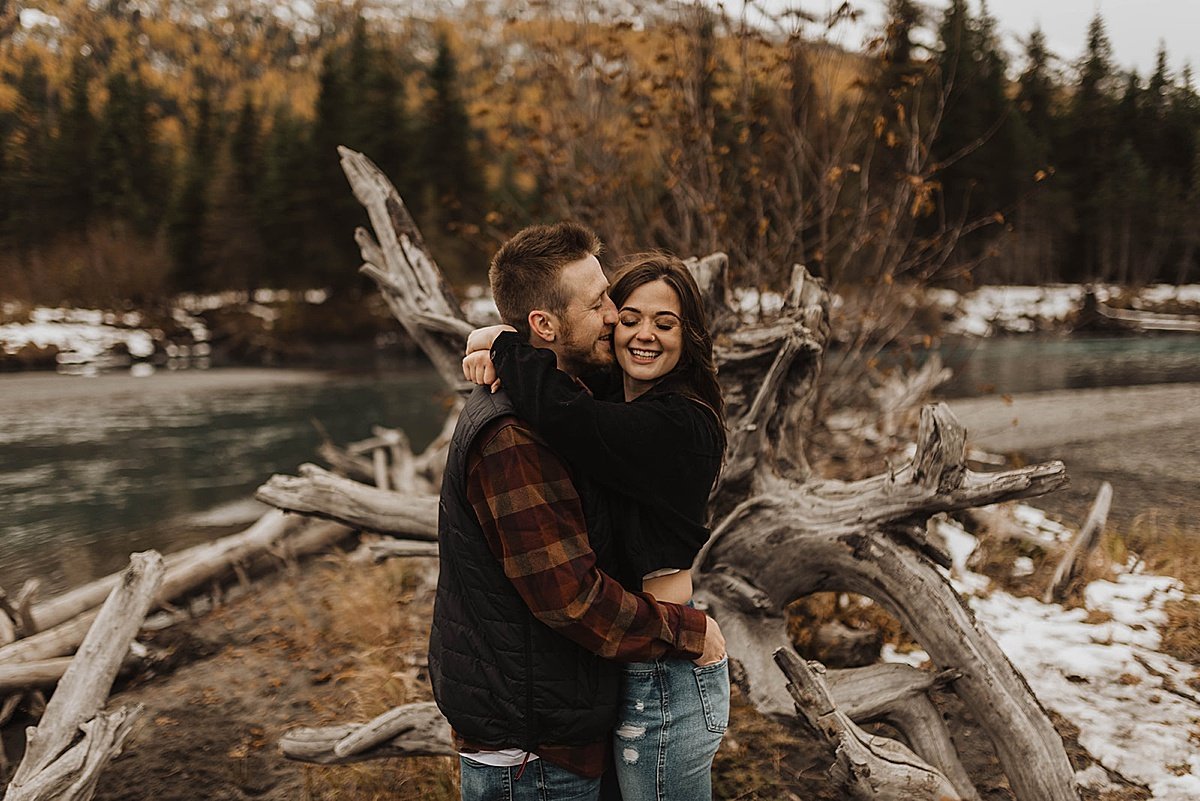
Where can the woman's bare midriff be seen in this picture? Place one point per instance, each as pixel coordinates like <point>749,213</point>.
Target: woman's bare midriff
<point>675,588</point>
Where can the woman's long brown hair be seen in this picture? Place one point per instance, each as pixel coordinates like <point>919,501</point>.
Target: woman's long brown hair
<point>696,373</point>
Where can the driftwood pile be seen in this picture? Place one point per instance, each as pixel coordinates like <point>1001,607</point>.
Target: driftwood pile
<point>780,532</point>
<point>80,640</point>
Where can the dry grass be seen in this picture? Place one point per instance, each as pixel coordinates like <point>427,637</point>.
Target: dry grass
<point>382,618</point>
<point>805,615</point>
<point>106,265</point>
<point>760,760</point>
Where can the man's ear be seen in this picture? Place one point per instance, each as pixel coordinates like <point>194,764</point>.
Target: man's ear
<point>543,325</point>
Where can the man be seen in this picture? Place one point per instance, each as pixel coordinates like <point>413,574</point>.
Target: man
<point>526,613</point>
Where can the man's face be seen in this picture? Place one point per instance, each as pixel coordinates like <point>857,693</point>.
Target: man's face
<point>585,328</point>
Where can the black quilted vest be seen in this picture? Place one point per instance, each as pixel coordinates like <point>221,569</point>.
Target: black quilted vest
<point>501,677</point>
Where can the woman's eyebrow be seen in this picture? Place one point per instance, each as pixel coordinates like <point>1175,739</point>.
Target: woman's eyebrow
<point>662,313</point>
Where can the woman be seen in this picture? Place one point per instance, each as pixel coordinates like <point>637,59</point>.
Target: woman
<point>658,444</point>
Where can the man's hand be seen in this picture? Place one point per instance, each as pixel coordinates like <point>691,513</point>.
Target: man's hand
<point>478,369</point>
<point>482,338</point>
<point>714,644</point>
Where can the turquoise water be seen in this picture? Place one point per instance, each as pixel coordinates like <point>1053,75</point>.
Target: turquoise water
<point>1020,364</point>
<point>92,469</point>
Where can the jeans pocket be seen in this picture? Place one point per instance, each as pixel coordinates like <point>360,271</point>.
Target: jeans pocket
<point>713,683</point>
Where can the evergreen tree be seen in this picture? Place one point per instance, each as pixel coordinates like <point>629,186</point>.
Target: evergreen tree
<point>981,139</point>
<point>232,235</point>
<point>339,99</point>
<point>74,154</point>
<point>1088,157</point>
<point>245,147</point>
<point>186,217</point>
<point>899,73</point>
<point>386,129</point>
<point>1043,216</point>
<point>286,204</point>
<point>1037,91</point>
<point>452,176</point>
<point>28,165</point>
<point>128,180</point>
<point>454,198</point>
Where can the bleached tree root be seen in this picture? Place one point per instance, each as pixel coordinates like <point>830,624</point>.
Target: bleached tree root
<point>898,695</point>
<point>43,674</point>
<point>867,768</point>
<point>402,267</point>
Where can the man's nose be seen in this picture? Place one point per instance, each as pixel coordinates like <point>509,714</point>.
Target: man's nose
<point>610,311</point>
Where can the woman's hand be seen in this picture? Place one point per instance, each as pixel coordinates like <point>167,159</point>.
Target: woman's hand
<point>482,339</point>
<point>714,644</point>
<point>478,369</point>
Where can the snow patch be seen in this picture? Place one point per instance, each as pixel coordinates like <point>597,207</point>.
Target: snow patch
<point>1099,667</point>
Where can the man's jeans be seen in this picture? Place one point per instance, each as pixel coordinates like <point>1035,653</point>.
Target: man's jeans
<point>673,715</point>
<point>541,781</point>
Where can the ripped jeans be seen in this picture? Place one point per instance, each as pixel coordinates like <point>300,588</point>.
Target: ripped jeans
<point>673,715</point>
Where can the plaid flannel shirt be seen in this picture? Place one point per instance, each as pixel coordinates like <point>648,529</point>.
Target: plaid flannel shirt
<point>533,519</point>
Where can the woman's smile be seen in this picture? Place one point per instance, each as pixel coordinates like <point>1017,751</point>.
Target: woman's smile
<point>648,338</point>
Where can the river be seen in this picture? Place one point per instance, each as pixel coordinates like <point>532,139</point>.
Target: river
<point>94,468</point>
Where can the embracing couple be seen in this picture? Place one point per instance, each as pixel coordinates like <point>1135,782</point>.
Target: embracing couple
<point>564,645</point>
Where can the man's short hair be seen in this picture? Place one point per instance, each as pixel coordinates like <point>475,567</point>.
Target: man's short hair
<point>525,272</point>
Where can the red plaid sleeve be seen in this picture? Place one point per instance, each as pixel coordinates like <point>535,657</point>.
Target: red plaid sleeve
<point>533,519</point>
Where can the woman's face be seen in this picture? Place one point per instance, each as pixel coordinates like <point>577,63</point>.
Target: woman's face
<point>648,339</point>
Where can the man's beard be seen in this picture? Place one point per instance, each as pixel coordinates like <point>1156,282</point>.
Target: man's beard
<point>576,358</point>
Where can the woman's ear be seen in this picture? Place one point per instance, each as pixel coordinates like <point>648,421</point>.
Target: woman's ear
<point>543,325</point>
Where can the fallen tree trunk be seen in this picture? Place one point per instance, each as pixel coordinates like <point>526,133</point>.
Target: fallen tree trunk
<point>32,675</point>
<point>322,494</point>
<point>54,766</point>
<point>781,532</point>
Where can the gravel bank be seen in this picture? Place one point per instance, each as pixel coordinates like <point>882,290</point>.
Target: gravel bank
<point>1145,440</point>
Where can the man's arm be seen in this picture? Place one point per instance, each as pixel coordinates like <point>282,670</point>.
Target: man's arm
<point>533,519</point>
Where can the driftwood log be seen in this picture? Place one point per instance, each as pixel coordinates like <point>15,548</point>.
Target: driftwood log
<point>1075,559</point>
<point>64,621</point>
<point>35,654</point>
<point>1095,314</point>
<point>779,530</point>
<point>58,764</point>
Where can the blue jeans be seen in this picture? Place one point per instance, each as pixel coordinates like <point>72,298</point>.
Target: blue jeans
<point>541,781</point>
<point>673,715</point>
